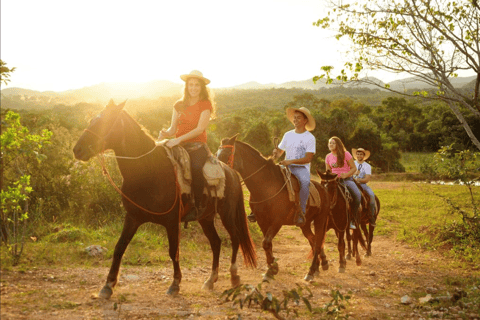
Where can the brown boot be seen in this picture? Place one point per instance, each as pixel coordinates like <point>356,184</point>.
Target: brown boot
<point>252,217</point>
<point>300,218</point>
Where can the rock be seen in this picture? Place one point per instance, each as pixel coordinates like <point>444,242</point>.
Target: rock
<point>431,290</point>
<point>426,299</point>
<point>95,250</point>
<point>406,300</point>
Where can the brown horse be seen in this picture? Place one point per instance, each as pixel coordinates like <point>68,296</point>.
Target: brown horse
<point>340,220</point>
<point>270,202</point>
<point>364,221</point>
<point>150,193</point>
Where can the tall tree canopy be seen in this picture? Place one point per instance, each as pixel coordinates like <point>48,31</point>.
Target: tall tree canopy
<point>431,40</point>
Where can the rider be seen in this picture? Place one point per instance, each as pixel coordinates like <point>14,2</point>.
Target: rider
<point>340,161</point>
<point>299,145</point>
<point>362,176</point>
<point>190,119</point>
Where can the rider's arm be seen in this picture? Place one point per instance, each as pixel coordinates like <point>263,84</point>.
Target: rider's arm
<point>350,173</point>
<point>365,179</point>
<point>170,132</point>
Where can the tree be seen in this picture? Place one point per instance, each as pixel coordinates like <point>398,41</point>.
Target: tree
<point>431,40</point>
<point>5,72</point>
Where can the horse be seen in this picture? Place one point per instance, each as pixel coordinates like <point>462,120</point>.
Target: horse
<point>364,221</point>
<point>339,221</point>
<point>150,193</point>
<point>269,200</point>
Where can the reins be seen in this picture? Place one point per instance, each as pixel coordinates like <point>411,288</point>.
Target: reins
<point>101,159</point>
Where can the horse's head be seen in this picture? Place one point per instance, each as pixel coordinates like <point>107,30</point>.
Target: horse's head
<point>226,153</point>
<point>329,179</point>
<point>97,137</point>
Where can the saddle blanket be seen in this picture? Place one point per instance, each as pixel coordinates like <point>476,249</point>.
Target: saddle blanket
<point>293,187</point>
<point>213,172</point>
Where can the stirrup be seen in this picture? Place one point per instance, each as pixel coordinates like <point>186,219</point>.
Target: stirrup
<point>352,226</point>
<point>300,220</point>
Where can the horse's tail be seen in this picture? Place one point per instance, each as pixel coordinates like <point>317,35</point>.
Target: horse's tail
<point>243,234</point>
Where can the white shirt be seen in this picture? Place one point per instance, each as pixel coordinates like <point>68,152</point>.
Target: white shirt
<point>296,145</point>
<point>364,169</point>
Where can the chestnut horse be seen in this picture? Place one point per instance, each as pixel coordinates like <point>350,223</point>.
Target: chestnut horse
<point>340,218</point>
<point>270,202</point>
<point>364,221</point>
<point>150,193</point>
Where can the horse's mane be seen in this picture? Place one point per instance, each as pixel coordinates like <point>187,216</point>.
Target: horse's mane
<point>255,152</point>
<point>137,126</point>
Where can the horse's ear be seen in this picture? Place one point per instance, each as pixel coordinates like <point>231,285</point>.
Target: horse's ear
<point>111,103</point>
<point>121,105</point>
<point>233,139</point>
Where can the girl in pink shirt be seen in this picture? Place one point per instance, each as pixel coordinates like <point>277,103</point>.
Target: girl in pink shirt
<point>340,161</point>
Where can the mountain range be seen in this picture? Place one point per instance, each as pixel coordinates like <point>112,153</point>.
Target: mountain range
<point>158,88</point>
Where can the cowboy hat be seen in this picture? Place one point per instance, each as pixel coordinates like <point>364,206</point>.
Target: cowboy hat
<point>365,152</point>
<point>194,74</point>
<point>311,120</point>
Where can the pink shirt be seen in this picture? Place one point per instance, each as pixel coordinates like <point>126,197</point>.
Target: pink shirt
<point>331,160</point>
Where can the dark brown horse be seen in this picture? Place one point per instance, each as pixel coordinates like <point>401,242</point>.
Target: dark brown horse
<point>150,194</point>
<point>364,221</point>
<point>340,217</point>
<point>270,202</point>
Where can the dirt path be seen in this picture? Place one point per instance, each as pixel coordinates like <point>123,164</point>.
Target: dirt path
<point>377,287</point>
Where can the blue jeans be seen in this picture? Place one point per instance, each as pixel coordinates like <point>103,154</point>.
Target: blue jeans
<point>303,176</point>
<point>372,198</point>
<point>356,195</point>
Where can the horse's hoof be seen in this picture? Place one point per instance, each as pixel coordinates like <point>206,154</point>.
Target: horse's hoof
<point>325,267</point>
<point>106,292</point>
<point>207,285</point>
<point>173,290</point>
<point>235,280</point>
<point>348,257</point>
<point>267,277</point>
<point>341,270</point>
<point>359,263</point>
<point>368,254</point>
<point>308,278</point>
<point>316,274</point>
<point>273,269</point>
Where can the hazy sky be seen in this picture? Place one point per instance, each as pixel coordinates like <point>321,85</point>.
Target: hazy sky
<point>69,44</point>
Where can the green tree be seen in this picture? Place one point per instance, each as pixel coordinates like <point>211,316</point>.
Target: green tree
<point>430,40</point>
<point>5,72</point>
<point>18,149</point>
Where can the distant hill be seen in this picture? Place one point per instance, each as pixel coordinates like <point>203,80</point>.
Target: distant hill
<point>102,92</point>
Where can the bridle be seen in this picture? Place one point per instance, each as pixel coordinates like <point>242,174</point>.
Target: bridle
<point>231,160</point>
<point>101,159</point>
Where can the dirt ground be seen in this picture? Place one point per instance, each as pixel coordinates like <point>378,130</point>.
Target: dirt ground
<point>376,287</point>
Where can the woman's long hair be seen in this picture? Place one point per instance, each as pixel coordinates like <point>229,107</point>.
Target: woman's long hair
<point>205,94</point>
<point>340,149</point>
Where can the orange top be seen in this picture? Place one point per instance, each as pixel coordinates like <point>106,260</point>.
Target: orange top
<point>189,120</point>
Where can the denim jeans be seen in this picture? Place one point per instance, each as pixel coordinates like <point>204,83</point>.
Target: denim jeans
<point>372,198</point>
<point>356,195</point>
<point>303,176</point>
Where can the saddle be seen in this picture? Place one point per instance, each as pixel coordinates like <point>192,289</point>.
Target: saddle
<point>213,172</point>
<point>293,187</point>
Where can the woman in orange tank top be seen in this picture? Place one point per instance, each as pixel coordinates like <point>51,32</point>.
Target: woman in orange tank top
<point>190,119</point>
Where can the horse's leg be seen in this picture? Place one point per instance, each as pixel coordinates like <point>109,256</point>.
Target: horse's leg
<point>210,232</point>
<point>173,234</point>
<point>349,245</point>
<point>367,236</point>
<point>356,234</point>
<point>370,240</point>
<point>267,246</point>
<point>341,251</point>
<point>130,227</point>
<point>320,224</point>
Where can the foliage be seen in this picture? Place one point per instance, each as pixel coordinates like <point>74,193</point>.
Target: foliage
<point>430,40</point>
<point>5,72</point>
<point>19,149</point>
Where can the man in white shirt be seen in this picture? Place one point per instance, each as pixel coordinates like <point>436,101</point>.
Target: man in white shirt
<point>362,176</point>
<point>299,145</point>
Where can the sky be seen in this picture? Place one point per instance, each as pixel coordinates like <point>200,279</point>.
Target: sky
<point>62,45</point>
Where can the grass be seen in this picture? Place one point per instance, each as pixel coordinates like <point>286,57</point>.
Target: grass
<point>412,161</point>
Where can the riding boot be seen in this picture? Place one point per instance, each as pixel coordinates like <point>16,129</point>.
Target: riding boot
<point>300,221</point>
<point>192,213</point>
<point>252,217</point>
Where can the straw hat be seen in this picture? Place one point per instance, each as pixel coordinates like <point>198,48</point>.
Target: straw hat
<point>365,152</point>
<point>311,121</point>
<point>194,74</point>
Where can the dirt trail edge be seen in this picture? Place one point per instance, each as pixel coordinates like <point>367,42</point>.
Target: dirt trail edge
<point>377,287</point>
